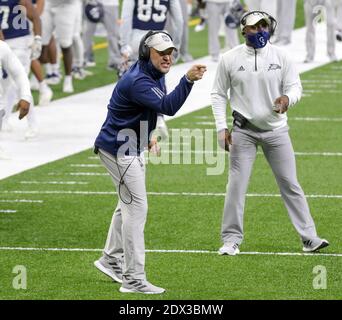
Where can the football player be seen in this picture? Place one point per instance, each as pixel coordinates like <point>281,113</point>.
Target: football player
<point>14,16</point>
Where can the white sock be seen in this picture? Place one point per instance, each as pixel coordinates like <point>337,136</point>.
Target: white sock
<point>48,68</point>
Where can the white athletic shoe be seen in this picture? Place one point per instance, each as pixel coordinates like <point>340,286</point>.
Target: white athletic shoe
<point>53,79</point>
<point>45,96</point>
<point>200,27</point>
<point>67,85</point>
<point>229,248</point>
<point>314,245</point>
<point>90,64</point>
<point>112,269</point>
<point>140,286</point>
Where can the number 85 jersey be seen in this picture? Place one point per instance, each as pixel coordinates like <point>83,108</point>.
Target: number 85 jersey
<point>150,14</point>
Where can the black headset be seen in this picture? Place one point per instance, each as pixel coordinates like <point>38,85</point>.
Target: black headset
<point>268,16</point>
<point>144,50</point>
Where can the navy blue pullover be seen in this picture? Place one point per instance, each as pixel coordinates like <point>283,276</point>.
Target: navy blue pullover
<point>132,111</point>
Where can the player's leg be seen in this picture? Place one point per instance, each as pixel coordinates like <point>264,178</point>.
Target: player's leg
<point>279,153</point>
<point>241,158</point>
<point>110,21</point>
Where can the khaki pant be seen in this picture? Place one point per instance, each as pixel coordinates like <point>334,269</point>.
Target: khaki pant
<point>277,148</point>
<point>126,231</point>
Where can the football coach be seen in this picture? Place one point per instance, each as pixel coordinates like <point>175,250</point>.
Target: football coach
<point>132,114</point>
<point>263,84</point>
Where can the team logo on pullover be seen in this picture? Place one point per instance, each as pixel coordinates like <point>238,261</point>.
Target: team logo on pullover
<point>274,66</point>
<point>241,69</point>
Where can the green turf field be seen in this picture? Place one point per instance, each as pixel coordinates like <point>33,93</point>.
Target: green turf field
<point>77,216</point>
<point>60,205</point>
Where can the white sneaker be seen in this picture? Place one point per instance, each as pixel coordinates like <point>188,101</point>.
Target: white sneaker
<point>90,64</point>
<point>140,286</point>
<point>200,27</point>
<point>45,96</point>
<point>67,85</point>
<point>314,245</point>
<point>53,79</point>
<point>31,133</point>
<point>229,248</point>
<point>112,269</point>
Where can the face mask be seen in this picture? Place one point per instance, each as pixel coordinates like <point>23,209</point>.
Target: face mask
<point>258,40</point>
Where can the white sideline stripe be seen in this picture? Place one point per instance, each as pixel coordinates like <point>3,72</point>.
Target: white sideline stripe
<point>191,194</point>
<point>21,201</point>
<point>85,165</point>
<point>78,174</point>
<point>8,211</point>
<point>316,119</point>
<point>54,182</point>
<point>176,251</point>
<point>88,174</point>
<point>289,118</point>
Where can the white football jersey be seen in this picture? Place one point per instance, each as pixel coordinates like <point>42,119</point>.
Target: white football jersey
<point>12,66</point>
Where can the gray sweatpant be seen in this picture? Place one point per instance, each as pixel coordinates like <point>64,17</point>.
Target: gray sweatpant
<point>286,14</point>
<point>126,232</point>
<point>111,15</point>
<point>215,13</point>
<point>277,148</point>
<point>310,7</point>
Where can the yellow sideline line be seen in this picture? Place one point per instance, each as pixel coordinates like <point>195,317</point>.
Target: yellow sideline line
<point>103,45</point>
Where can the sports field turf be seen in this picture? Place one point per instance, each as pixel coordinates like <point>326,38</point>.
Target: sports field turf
<point>68,204</point>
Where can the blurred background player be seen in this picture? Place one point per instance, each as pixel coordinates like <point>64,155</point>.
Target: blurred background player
<point>216,11</point>
<point>286,15</point>
<point>184,54</point>
<point>200,9</point>
<point>60,16</point>
<point>37,81</point>
<point>78,71</point>
<point>106,12</point>
<point>14,23</point>
<point>338,19</point>
<point>269,6</point>
<point>137,18</point>
<point>314,9</point>
<point>15,70</point>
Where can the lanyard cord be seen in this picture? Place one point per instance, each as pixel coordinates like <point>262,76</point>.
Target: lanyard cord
<point>122,183</point>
